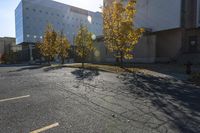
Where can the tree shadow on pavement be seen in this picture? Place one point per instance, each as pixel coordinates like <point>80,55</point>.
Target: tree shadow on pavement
<point>178,100</point>
<point>51,68</point>
<point>82,74</point>
<point>27,68</point>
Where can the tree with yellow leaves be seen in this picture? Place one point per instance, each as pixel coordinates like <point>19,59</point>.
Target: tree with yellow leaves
<point>63,47</point>
<point>47,47</point>
<point>120,34</point>
<point>83,43</point>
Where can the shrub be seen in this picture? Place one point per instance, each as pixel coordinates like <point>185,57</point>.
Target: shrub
<point>195,78</point>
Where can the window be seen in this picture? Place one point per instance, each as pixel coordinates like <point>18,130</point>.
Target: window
<point>27,17</point>
<point>47,13</point>
<point>35,36</point>
<point>40,11</point>
<point>27,8</point>
<point>58,15</point>
<point>34,10</point>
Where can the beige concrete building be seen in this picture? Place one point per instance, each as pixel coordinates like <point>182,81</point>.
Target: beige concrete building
<point>8,44</point>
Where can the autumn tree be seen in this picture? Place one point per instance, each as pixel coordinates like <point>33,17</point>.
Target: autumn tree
<point>84,43</point>
<point>47,47</point>
<point>63,47</point>
<point>120,34</point>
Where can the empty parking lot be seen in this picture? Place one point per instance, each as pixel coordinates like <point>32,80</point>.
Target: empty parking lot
<point>37,99</point>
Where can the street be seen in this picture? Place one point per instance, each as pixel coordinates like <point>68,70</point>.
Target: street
<point>69,100</point>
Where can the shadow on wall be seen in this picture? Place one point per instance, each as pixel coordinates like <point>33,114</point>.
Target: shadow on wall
<point>179,101</point>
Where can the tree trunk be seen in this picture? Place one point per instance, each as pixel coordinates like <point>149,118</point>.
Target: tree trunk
<point>63,60</point>
<point>49,62</point>
<point>82,64</point>
<point>121,59</point>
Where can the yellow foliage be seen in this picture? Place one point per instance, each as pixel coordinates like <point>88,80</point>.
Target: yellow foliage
<point>48,46</point>
<point>62,46</point>
<point>120,34</point>
<point>84,43</point>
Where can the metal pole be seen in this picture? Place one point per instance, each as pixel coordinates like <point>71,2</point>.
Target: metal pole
<point>31,52</point>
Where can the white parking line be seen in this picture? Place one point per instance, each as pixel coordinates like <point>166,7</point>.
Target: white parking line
<point>45,128</point>
<point>14,98</point>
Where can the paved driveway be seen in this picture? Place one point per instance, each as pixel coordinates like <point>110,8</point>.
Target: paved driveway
<point>64,100</point>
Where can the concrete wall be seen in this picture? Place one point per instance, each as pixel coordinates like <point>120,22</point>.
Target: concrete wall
<point>190,13</point>
<point>157,14</point>
<point>168,45</point>
<point>144,51</point>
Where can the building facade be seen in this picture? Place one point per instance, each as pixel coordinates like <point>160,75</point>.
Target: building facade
<point>174,25</point>
<point>8,46</point>
<point>33,16</point>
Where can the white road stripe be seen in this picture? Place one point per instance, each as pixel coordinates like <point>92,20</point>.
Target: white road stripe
<point>14,98</point>
<point>45,128</point>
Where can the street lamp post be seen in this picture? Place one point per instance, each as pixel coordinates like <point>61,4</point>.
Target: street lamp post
<point>30,49</point>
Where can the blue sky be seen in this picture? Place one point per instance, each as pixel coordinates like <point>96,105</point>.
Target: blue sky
<point>7,8</point>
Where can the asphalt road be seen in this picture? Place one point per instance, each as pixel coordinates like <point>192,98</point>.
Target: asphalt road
<point>66,100</point>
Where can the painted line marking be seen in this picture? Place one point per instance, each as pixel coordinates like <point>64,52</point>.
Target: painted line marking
<point>14,98</point>
<point>45,128</point>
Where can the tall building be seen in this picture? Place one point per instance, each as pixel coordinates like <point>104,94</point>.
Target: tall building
<point>175,25</point>
<point>33,16</point>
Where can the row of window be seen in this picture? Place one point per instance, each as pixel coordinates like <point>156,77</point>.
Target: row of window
<point>63,16</point>
<point>46,12</point>
<point>34,36</point>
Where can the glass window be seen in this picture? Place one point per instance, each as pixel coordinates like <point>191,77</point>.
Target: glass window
<point>34,10</point>
<point>27,8</point>
<point>19,24</point>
